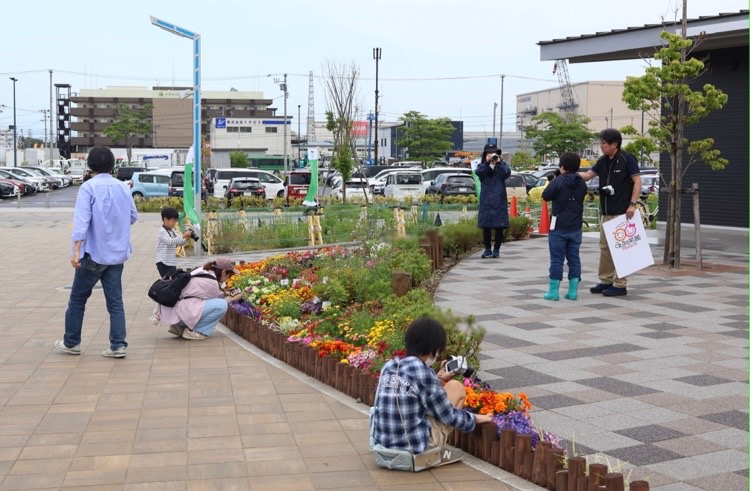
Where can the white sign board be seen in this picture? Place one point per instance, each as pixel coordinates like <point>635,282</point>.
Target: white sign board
<point>312,153</point>
<point>628,244</point>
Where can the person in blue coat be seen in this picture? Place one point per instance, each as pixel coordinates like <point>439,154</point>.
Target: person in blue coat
<point>492,172</point>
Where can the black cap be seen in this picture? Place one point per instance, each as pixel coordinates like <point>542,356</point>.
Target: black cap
<point>490,147</point>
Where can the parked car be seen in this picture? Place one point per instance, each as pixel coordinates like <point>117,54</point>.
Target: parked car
<point>405,183</point>
<point>52,182</point>
<point>24,187</point>
<point>452,185</point>
<point>649,184</point>
<point>42,184</point>
<point>63,180</point>
<point>245,186</point>
<point>149,185</point>
<point>76,174</point>
<point>429,175</point>
<point>356,188</point>
<point>125,172</point>
<point>515,186</point>
<point>274,186</point>
<point>296,185</point>
<point>8,190</point>
<point>531,180</point>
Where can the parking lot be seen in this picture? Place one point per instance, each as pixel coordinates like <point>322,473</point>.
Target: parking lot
<point>58,198</point>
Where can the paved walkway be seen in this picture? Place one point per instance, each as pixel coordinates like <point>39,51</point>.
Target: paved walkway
<point>174,414</point>
<point>657,379</point>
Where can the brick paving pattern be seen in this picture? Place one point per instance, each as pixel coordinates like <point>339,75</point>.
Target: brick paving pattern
<point>174,414</point>
<point>657,379</point>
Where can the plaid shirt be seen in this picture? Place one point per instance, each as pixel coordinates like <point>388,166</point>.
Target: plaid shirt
<point>415,389</point>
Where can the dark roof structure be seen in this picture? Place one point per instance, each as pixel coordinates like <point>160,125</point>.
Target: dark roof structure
<point>722,30</point>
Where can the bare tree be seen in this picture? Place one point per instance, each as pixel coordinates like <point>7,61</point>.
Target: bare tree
<point>342,105</point>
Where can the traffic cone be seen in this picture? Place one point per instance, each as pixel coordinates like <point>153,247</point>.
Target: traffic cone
<point>513,207</point>
<point>527,211</point>
<point>544,219</point>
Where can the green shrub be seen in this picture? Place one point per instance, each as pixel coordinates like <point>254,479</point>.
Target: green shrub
<point>412,260</point>
<point>460,238</point>
<point>519,228</point>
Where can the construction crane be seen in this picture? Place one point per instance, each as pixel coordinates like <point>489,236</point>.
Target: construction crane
<point>567,103</point>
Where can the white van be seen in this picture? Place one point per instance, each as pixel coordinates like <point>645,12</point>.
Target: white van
<point>402,184</point>
<point>274,186</point>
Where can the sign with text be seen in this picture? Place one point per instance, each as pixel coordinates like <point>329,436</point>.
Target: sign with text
<point>628,244</point>
<point>359,128</point>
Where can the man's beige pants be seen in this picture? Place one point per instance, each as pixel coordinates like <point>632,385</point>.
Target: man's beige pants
<point>607,273</point>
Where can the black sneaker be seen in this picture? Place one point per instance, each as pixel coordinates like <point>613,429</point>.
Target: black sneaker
<point>599,288</point>
<point>613,291</point>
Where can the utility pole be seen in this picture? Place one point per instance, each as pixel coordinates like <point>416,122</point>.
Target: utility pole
<point>283,87</point>
<point>376,54</point>
<point>44,112</point>
<point>502,94</point>
<point>494,115</point>
<point>299,136</point>
<point>51,119</point>
<point>15,136</point>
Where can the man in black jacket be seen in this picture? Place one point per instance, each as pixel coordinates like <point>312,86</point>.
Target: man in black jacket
<point>619,190</point>
<point>566,192</point>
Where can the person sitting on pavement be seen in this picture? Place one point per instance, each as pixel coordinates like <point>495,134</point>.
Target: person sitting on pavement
<point>416,408</point>
<point>202,303</point>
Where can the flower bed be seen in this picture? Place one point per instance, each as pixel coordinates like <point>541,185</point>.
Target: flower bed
<point>332,314</point>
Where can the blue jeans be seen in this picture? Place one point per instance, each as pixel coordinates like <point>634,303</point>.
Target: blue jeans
<point>86,277</point>
<point>213,310</point>
<point>565,244</point>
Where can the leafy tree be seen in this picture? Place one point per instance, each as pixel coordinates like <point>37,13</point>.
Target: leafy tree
<point>642,146</point>
<point>129,125</point>
<point>341,159</point>
<point>554,134</point>
<point>523,160</point>
<point>664,92</point>
<point>238,159</point>
<point>426,139</point>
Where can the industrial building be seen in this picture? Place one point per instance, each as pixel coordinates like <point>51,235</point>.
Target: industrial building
<point>92,110</point>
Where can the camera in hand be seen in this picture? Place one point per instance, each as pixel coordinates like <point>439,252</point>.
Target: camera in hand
<point>458,365</point>
<point>194,235</point>
<point>607,191</point>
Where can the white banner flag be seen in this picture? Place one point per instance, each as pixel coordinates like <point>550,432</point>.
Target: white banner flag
<point>628,244</point>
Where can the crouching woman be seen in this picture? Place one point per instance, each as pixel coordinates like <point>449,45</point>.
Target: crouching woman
<point>416,408</point>
<point>202,302</point>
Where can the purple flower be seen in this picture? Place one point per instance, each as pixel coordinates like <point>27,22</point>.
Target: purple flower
<point>244,308</point>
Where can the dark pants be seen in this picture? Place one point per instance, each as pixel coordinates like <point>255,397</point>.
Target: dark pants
<point>86,277</point>
<point>488,237</point>
<point>164,269</point>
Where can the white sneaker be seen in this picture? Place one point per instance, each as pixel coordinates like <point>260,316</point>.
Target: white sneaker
<point>73,350</point>
<point>193,335</point>
<point>116,353</point>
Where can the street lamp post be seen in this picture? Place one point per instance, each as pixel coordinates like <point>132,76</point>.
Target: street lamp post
<point>376,54</point>
<point>15,136</point>
<point>494,117</point>
<point>196,38</point>
<point>370,119</point>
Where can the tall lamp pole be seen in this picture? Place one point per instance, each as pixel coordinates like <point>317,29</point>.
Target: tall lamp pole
<point>196,38</point>
<point>51,118</point>
<point>15,136</point>
<point>376,53</point>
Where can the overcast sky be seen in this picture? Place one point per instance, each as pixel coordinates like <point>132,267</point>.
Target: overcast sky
<point>95,44</point>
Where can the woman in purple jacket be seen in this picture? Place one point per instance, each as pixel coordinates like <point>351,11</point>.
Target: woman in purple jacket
<point>203,303</point>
